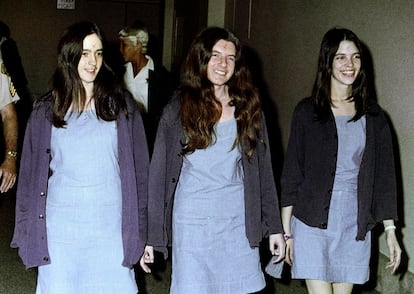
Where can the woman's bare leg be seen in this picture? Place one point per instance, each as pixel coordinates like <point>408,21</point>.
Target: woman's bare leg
<point>342,288</point>
<point>319,287</point>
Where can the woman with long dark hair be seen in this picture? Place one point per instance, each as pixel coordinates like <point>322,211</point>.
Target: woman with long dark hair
<point>338,179</point>
<point>81,212</point>
<point>211,192</point>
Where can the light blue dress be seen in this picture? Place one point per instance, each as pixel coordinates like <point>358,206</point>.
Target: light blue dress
<point>334,254</point>
<point>83,211</point>
<point>210,250</point>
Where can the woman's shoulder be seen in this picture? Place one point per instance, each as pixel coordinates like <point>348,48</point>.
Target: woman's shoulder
<point>43,103</point>
<point>129,101</point>
<point>171,112</point>
<point>373,108</point>
<point>304,106</point>
<point>376,114</point>
<point>305,103</point>
<point>42,109</point>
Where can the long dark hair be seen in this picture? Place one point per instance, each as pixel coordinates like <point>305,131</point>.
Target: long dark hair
<point>321,93</point>
<point>67,86</point>
<point>200,110</point>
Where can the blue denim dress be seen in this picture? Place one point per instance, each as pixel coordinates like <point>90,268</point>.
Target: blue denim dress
<point>334,254</point>
<point>210,250</point>
<point>83,211</point>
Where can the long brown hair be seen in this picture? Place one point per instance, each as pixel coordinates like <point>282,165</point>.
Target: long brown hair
<point>67,86</point>
<point>200,110</point>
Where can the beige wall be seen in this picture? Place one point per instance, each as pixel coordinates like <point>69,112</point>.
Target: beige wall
<point>216,10</point>
<point>287,35</point>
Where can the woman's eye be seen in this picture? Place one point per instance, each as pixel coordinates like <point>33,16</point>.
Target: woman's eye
<point>215,57</point>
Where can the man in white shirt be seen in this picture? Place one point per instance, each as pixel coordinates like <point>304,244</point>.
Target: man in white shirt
<point>150,84</point>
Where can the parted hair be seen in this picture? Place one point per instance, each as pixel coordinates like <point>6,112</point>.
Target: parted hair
<point>67,85</point>
<point>321,93</point>
<point>200,110</point>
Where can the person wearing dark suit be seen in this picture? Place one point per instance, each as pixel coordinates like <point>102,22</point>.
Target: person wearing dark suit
<point>149,82</point>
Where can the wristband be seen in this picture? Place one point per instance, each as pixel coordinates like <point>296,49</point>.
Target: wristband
<point>287,237</point>
<point>391,227</point>
<point>12,153</point>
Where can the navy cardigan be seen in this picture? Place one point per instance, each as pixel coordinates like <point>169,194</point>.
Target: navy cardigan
<point>310,164</point>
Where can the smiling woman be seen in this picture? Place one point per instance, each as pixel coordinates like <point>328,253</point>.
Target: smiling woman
<point>225,200</point>
<point>338,178</point>
<point>82,217</point>
<point>346,64</point>
<point>90,62</point>
<point>220,68</point>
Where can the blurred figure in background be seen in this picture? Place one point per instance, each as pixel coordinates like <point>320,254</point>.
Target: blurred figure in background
<point>9,122</point>
<point>150,83</point>
<point>14,66</point>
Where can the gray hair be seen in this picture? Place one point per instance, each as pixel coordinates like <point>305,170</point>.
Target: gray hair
<point>134,36</point>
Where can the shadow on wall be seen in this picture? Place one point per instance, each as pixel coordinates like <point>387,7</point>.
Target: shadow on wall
<point>270,110</point>
<point>370,71</point>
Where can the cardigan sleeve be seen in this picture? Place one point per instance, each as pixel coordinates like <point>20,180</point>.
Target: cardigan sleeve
<point>271,221</point>
<point>30,230</point>
<point>23,193</point>
<point>142,165</point>
<point>157,190</point>
<point>292,174</point>
<point>133,163</point>
<point>384,204</point>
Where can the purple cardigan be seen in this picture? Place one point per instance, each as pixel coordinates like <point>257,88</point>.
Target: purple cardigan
<point>30,227</point>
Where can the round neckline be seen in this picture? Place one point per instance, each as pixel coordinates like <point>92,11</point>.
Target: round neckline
<point>338,116</point>
<point>227,120</point>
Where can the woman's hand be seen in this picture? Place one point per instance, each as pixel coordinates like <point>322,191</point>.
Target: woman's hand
<point>289,252</point>
<point>277,246</point>
<point>286,219</point>
<point>394,250</point>
<point>147,257</point>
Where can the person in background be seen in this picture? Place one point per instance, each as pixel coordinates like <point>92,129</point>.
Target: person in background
<point>9,122</point>
<point>339,178</point>
<point>13,63</point>
<point>81,204</point>
<point>149,82</point>
<point>212,193</point>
